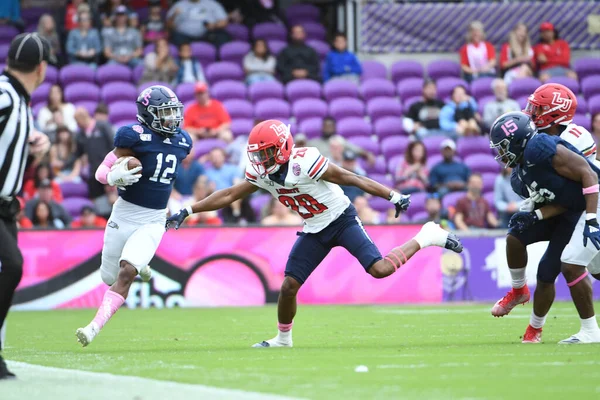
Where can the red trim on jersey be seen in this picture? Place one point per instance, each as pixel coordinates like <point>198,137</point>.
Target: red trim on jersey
<point>316,168</point>
<point>591,151</point>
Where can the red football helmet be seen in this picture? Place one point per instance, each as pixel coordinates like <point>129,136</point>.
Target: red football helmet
<point>269,145</point>
<point>551,104</point>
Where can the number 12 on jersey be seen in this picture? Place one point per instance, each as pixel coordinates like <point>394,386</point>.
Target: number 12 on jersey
<point>165,178</point>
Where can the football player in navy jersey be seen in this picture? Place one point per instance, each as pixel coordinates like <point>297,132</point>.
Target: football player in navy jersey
<point>553,167</point>
<point>137,221</point>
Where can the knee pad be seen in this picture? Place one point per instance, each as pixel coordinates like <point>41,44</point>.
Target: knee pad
<point>108,277</point>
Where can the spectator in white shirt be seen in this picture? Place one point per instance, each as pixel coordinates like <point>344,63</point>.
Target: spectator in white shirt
<point>259,63</point>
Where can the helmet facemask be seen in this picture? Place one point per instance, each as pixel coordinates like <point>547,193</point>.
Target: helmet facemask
<point>505,157</point>
<point>167,117</point>
<point>264,160</point>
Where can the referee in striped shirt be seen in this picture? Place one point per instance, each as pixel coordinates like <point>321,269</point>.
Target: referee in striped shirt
<point>28,58</point>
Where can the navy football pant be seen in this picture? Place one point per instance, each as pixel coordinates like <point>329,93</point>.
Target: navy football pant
<point>346,231</point>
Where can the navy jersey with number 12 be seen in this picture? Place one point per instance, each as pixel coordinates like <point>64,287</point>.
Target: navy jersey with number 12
<point>160,157</point>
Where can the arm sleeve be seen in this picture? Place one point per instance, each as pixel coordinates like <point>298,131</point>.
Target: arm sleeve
<point>434,178</point>
<point>464,60</point>
<point>518,186</point>
<point>219,12</point>
<point>356,67</point>
<point>326,68</point>
<point>491,50</point>
<point>314,68</point>
<point>314,164</point>
<point>284,69</point>
<point>224,115</point>
<point>565,54</point>
<point>126,138</point>
<point>540,150</point>
<point>504,54</point>
<point>71,50</point>
<point>499,200</point>
<point>461,207</point>
<point>6,103</point>
<point>447,122</point>
<point>95,38</point>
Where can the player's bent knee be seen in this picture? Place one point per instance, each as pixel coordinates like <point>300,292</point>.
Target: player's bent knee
<point>108,277</point>
<point>290,287</point>
<point>381,269</point>
<point>571,271</point>
<point>127,273</point>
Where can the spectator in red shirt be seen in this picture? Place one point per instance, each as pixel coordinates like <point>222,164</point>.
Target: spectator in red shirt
<point>473,211</point>
<point>477,56</point>
<point>43,172</point>
<point>88,219</point>
<point>552,54</point>
<point>22,221</point>
<point>71,13</point>
<point>207,118</point>
<point>516,57</point>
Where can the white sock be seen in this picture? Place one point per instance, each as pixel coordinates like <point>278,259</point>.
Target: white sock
<point>518,277</point>
<point>425,238</point>
<point>537,322</point>
<point>284,337</point>
<point>589,324</point>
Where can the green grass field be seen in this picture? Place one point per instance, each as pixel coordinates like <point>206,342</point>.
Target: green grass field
<point>452,352</point>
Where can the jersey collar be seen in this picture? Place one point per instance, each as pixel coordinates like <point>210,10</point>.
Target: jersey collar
<point>19,88</point>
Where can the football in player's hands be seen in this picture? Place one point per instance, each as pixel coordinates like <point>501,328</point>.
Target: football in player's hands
<point>132,162</point>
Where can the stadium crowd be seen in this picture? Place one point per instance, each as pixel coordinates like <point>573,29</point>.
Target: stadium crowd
<point>422,132</point>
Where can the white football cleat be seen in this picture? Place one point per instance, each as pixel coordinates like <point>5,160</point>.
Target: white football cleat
<point>146,273</point>
<point>431,234</point>
<point>275,342</point>
<point>582,338</point>
<point>87,334</point>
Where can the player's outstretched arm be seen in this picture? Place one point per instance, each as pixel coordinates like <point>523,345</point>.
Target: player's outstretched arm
<point>216,201</point>
<point>573,166</point>
<point>340,176</point>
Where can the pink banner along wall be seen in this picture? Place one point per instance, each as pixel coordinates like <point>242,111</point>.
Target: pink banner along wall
<point>219,267</point>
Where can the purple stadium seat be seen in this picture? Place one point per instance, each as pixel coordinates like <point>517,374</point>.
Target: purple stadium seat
<point>433,143</point>
<point>368,144</point>
<point>76,73</point>
<point>115,91</point>
<point>451,199</point>
<point>594,104</point>
<point>314,30</point>
<point>138,71</point>
<point>222,71</point>
<point>484,100</point>
<point>447,84</point>
<point>582,107</point>
<point>379,167</point>
<point>443,69</point>
<point>173,50</point>
<point>90,106</point>
<point>4,52</point>
<point>337,88</point>
<point>393,162</point>
<point>354,126</point>
<point>227,90</point>
<point>311,127</point>
<point>234,51</point>
<point>418,217</point>
<point>302,88</point>
<point>305,12</point>
<point>309,108</point>
<point>265,90</point>
<point>82,91</point>
<point>394,146</point>
<point>383,107</point>
<point>205,53</point>
<point>146,85</point>
<point>388,126</point>
<point>275,45</point>
<point>74,205</point>
<point>51,74</point>
<point>269,31</point>
<point>259,202</point>
<point>238,108</point>
<point>523,87</point>
<point>204,146</point>
<point>238,32</point>
<point>241,126</point>
<point>345,107</point>
<point>8,32</point>
<point>433,160</point>
<point>40,94</point>
<point>488,181</point>
<point>590,86</point>
<point>406,69</point>
<point>272,109</point>
<point>566,81</point>
<point>321,47</point>
<point>482,87</point>
<point>473,145</point>
<point>583,121</point>
<point>586,67</point>
<point>373,70</point>
<point>113,72</point>
<point>410,87</point>
<point>482,163</point>
<point>74,189</point>
<point>121,110</point>
<point>489,197</point>
<point>377,203</point>
<point>185,92</point>
<point>409,102</point>
<point>377,87</point>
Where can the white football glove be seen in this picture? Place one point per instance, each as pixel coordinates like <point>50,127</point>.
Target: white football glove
<point>536,196</point>
<point>527,206</point>
<point>120,176</point>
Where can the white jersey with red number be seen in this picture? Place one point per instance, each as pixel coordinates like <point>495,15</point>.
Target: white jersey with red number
<point>582,140</point>
<point>300,188</point>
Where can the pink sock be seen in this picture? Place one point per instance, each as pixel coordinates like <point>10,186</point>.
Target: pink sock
<point>285,327</point>
<point>110,304</point>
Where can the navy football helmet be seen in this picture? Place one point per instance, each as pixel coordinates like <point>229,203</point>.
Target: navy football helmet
<point>509,136</point>
<point>160,109</point>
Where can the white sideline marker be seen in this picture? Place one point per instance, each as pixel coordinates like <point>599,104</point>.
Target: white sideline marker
<point>36,382</point>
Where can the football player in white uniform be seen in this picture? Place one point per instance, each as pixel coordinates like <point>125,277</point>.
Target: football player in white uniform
<point>305,181</point>
<point>552,107</point>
